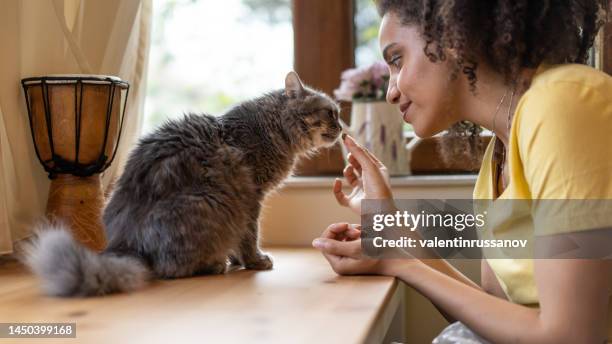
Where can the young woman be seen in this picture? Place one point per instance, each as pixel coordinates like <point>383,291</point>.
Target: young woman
<point>514,67</point>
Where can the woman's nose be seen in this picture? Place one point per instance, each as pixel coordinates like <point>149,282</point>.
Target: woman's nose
<point>393,94</point>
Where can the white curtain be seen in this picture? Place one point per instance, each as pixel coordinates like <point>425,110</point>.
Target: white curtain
<point>42,37</point>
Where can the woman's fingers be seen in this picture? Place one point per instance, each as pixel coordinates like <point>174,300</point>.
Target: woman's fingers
<point>342,231</point>
<point>359,153</point>
<point>374,177</point>
<point>353,162</point>
<point>341,197</point>
<point>353,233</point>
<point>350,249</point>
<point>334,229</point>
<point>350,235</point>
<point>351,177</point>
<point>374,159</point>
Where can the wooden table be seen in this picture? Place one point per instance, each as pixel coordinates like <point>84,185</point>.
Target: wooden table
<point>301,301</point>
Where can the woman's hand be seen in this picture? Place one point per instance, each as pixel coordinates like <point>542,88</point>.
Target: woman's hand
<point>365,174</point>
<point>340,243</point>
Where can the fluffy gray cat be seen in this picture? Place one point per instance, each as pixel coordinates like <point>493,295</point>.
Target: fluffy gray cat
<point>190,196</point>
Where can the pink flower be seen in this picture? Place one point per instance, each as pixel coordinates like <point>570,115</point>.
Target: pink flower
<point>367,83</point>
<point>356,75</point>
<point>346,91</point>
<point>379,72</point>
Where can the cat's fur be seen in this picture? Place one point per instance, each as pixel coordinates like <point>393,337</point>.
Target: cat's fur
<point>190,196</point>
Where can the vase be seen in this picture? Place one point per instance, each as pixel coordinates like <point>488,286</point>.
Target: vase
<point>379,127</point>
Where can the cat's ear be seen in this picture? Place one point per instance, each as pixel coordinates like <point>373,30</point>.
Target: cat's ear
<point>293,85</point>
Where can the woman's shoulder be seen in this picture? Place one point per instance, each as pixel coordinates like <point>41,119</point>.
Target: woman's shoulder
<point>570,75</point>
<point>561,133</point>
<point>565,94</point>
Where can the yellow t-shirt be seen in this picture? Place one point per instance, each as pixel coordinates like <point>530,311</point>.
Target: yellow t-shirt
<point>560,147</point>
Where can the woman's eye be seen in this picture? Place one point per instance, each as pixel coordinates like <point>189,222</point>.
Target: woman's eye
<point>395,61</point>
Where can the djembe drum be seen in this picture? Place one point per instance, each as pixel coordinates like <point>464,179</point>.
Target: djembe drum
<point>76,124</point>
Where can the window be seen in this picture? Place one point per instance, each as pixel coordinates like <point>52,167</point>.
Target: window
<point>367,23</point>
<point>208,55</point>
<point>367,50</point>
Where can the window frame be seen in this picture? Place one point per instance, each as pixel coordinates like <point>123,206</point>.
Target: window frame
<point>318,24</point>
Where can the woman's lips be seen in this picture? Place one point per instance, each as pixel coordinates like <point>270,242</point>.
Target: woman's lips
<point>404,110</point>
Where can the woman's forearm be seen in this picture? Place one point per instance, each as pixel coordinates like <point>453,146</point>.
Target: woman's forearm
<point>496,320</point>
<point>432,259</point>
<point>446,268</point>
<point>443,266</point>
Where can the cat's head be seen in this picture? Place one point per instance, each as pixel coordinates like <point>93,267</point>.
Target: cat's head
<point>314,115</point>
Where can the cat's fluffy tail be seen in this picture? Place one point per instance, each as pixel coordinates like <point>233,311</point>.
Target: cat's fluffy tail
<point>69,269</point>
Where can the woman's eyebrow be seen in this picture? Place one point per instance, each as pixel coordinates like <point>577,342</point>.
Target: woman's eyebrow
<point>386,50</point>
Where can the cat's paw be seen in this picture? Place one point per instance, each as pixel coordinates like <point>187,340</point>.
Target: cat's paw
<point>217,268</point>
<point>233,260</point>
<point>263,262</point>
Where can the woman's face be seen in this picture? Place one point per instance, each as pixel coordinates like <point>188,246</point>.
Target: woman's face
<point>423,90</point>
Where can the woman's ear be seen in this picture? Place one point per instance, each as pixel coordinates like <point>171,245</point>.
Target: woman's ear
<point>293,85</point>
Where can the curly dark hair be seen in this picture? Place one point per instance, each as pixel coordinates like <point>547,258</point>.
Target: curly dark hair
<point>507,35</point>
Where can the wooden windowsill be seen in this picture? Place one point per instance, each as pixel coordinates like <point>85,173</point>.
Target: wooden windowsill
<point>301,300</point>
